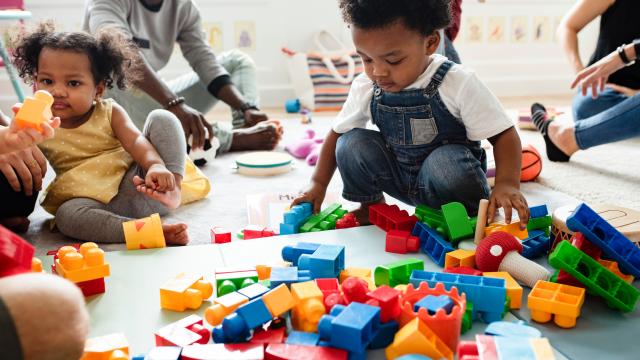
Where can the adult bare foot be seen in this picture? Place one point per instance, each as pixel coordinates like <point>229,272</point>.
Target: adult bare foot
<point>170,199</point>
<point>175,234</point>
<point>263,136</point>
<point>16,224</point>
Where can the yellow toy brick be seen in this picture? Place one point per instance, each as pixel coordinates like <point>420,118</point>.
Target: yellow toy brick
<point>309,307</point>
<point>362,273</point>
<point>613,267</point>
<point>84,265</point>
<point>279,300</point>
<point>223,306</point>
<point>108,347</point>
<point>264,272</point>
<point>185,291</point>
<point>563,301</point>
<point>513,229</point>
<point>514,290</point>
<point>35,110</point>
<point>36,265</point>
<point>145,233</point>
<point>460,257</point>
<point>416,338</point>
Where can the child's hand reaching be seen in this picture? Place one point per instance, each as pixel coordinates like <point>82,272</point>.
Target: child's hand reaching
<point>159,178</point>
<point>508,197</point>
<point>314,195</point>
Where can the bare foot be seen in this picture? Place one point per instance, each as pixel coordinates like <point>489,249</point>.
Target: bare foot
<point>175,234</point>
<point>362,213</point>
<point>263,136</point>
<point>16,224</point>
<point>170,199</point>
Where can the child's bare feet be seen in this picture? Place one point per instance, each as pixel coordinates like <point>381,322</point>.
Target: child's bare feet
<point>16,224</point>
<point>262,136</point>
<point>362,213</point>
<point>170,199</point>
<point>175,234</point>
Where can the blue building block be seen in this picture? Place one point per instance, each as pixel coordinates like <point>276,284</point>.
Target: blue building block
<point>326,262</point>
<point>536,245</point>
<point>513,329</point>
<point>615,245</point>
<point>303,338</point>
<point>295,217</point>
<point>254,313</point>
<point>488,295</point>
<point>432,243</point>
<point>434,303</point>
<point>350,327</point>
<point>287,275</point>
<point>292,253</point>
<point>254,291</point>
<point>514,348</point>
<point>384,336</point>
<point>538,211</point>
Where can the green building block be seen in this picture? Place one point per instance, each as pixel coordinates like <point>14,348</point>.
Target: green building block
<point>458,224</point>
<point>396,273</point>
<point>233,281</point>
<point>325,220</point>
<point>431,217</point>
<point>541,223</point>
<point>595,277</point>
<point>467,318</point>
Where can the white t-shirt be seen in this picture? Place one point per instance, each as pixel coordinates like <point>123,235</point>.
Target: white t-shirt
<point>464,95</point>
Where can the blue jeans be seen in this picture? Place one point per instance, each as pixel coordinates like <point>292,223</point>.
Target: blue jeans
<point>369,167</point>
<point>609,118</point>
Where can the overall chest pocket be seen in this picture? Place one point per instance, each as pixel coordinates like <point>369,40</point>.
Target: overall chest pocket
<point>410,125</point>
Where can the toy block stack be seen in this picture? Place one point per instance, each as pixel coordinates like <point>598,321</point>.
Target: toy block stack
<point>185,291</point>
<point>325,220</point>
<point>84,266</point>
<point>295,218</point>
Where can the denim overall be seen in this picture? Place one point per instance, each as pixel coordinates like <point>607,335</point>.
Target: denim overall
<point>421,155</point>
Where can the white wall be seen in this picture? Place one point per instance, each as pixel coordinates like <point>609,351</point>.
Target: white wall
<point>509,68</point>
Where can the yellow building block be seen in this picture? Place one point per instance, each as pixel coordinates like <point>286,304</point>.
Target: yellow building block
<point>145,233</point>
<point>264,272</point>
<point>513,229</point>
<point>416,338</point>
<point>108,347</point>
<point>562,301</point>
<point>362,273</point>
<point>223,306</point>
<point>84,265</point>
<point>185,291</point>
<point>309,307</point>
<point>279,300</point>
<point>514,290</point>
<point>36,265</point>
<point>613,267</point>
<point>35,110</point>
<point>460,257</point>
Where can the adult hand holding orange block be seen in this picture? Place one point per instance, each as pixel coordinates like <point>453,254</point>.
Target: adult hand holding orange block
<point>33,123</point>
<point>35,111</point>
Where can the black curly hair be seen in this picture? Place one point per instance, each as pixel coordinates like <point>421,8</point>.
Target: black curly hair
<point>423,16</point>
<point>114,58</point>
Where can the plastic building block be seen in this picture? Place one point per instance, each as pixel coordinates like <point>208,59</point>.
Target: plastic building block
<point>292,253</point>
<point>581,243</point>
<point>513,229</point>
<point>613,267</point>
<point>536,245</point>
<point>464,270</point>
<point>615,245</point>
<point>514,290</point>
<point>294,218</point>
<point>396,273</point>
<point>499,347</point>
<point>187,331</point>
<point>347,221</point>
<point>248,351</point>
<point>279,300</point>
<point>253,291</point>
<point>256,232</point>
<point>325,220</point>
<point>220,235</point>
<point>431,217</point>
<point>84,264</point>
<point>384,335</point>
<point>327,261</point>
<point>401,242</point>
<point>35,110</point>
<point>229,280</point>
<point>487,294</point>
<point>185,291</point>
<point>350,327</point>
<point>390,217</point>
<point>563,301</point>
<point>388,300</point>
<point>288,275</point>
<point>269,336</point>
<point>467,318</point>
<point>264,272</point>
<point>512,329</point>
<point>223,306</point>
<point>254,313</point>
<point>538,211</point>
<point>92,287</point>
<point>309,306</point>
<point>541,223</point>
<point>458,224</point>
<point>432,243</point>
<point>460,257</point>
<point>355,289</point>
<point>434,303</point>
<point>362,273</point>
<point>303,338</point>
<point>292,352</point>
<point>36,265</point>
<point>164,353</point>
<point>600,281</point>
<point>16,254</point>
<point>237,326</point>
<point>416,338</point>
<point>145,233</point>
<point>328,286</point>
<point>105,347</point>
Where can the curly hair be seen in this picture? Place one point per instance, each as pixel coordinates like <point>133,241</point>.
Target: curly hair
<point>423,16</point>
<point>114,58</point>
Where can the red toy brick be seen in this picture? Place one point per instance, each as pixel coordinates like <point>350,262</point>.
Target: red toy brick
<point>388,300</point>
<point>390,217</point>
<point>290,351</point>
<point>401,242</point>
<point>347,221</point>
<point>467,350</point>
<point>256,232</point>
<point>333,299</point>
<point>244,351</point>
<point>464,270</point>
<point>328,286</point>
<point>220,235</point>
<point>15,253</point>
<point>92,287</point>
<point>270,336</point>
<point>187,331</point>
<point>355,290</point>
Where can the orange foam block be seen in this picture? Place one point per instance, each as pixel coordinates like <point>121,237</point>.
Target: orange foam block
<point>145,233</point>
<point>279,300</point>
<point>84,264</point>
<point>184,291</point>
<point>417,338</point>
<point>513,229</point>
<point>562,301</point>
<point>514,290</point>
<point>460,257</point>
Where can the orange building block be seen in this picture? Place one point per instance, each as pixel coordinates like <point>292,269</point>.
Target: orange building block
<point>185,291</point>
<point>279,300</point>
<point>84,264</point>
<point>108,347</point>
<point>514,290</point>
<point>417,338</point>
<point>513,229</point>
<point>362,273</point>
<point>223,306</point>
<point>35,110</point>
<point>563,301</point>
<point>36,265</point>
<point>613,267</point>
<point>309,306</point>
<point>145,233</point>
<point>264,272</point>
<point>460,257</point>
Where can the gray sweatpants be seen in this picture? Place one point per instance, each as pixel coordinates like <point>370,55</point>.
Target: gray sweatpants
<point>91,220</point>
<point>240,67</point>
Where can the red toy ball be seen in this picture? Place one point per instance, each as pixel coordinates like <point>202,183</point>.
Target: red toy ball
<point>531,163</point>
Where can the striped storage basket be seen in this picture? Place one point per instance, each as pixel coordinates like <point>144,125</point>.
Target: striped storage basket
<point>331,78</point>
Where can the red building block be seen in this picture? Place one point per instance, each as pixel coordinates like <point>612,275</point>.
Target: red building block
<point>256,232</point>
<point>401,242</point>
<point>220,235</point>
<point>92,287</point>
<point>347,221</point>
<point>290,351</point>
<point>390,217</point>
<point>583,244</point>
<point>464,270</point>
<point>328,286</point>
<point>15,253</point>
<point>467,350</point>
<point>187,331</point>
<point>355,290</point>
<point>388,300</point>
<point>333,299</point>
<point>270,336</point>
<point>245,351</point>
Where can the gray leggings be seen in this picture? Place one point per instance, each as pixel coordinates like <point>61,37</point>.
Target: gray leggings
<point>91,220</point>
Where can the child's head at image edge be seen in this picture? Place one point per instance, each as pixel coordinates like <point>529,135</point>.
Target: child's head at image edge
<point>75,67</point>
<point>395,38</point>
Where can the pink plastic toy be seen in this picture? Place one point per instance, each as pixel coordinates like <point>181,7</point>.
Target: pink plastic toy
<point>308,147</point>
